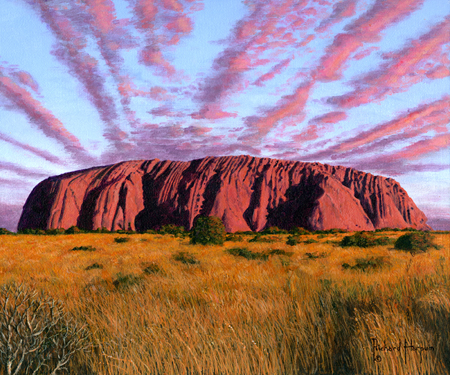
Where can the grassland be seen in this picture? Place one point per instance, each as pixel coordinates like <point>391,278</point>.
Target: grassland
<point>155,304</point>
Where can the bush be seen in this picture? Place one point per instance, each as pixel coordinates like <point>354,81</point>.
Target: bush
<point>299,231</point>
<point>310,241</point>
<point>248,254</point>
<point>315,255</point>
<point>121,239</point>
<point>208,230</point>
<point>367,264</point>
<point>84,248</point>
<point>94,266</point>
<point>152,268</point>
<point>123,282</point>
<point>185,258</point>
<point>172,229</point>
<point>55,231</point>
<point>234,237</point>
<point>273,230</point>
<point>5,231</point>
<point>292,241</point>
<point>265,239</point>
<point>37,335</point>
<point>364,239</point>
<point>415,242</point>
<point>73,230</point>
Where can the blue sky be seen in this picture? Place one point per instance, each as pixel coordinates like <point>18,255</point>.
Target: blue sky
<point>358,83</point>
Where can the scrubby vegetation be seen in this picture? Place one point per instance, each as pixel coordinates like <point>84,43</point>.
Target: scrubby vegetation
<point>208,230</point>
<point>364,239</point>
<point>248,254</point>
<point>84,248</point>
<point>244,308</point>
<point>121,239</point>
<point>366,264</point>
<point>415,242</point>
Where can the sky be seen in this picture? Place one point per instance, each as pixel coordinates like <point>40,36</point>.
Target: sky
<point>358,83</point>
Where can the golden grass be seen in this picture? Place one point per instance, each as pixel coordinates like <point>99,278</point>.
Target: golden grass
<point>230,315</point>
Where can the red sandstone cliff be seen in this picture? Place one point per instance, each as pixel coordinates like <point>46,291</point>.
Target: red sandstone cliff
<point>247,193</point>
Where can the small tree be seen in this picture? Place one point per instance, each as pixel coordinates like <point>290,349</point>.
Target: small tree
<point>208,230</point>
<point>36,334</point>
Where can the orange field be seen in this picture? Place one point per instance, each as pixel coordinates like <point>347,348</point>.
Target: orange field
<point>159,305</point>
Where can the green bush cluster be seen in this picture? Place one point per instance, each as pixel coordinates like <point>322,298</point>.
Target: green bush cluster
<point>367,264</point>
<point>208,230</point>
<point>415,242</point>
<point>248,254</point>
<point>172,229</point>
<point>185,258</point>
<point>274,230</point>
<point>84,248</point>
<point>121,239</point>
<point>364,239</point>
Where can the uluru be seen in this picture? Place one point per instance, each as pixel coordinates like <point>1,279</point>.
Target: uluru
<point>247,193</point>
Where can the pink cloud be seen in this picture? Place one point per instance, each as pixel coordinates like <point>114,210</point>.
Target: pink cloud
<point>163,24</point>
<point>401,71</point>
<point>263,30</point>
<point>277,69</point>
<point>319,125</point>
<point>366,28</point>
<point>24,102</point>
<point>424,114</point>
<point>212,112</point>
<point>343,9</point>
<point>425,118</point>
<point>26,79</point>
<point>70,50</point>
<point>34,150</point>
<point>21,171</point>
<point>165,111</point>
<point>288,106</point>
<point>365,53</point>
<point>438,72</point>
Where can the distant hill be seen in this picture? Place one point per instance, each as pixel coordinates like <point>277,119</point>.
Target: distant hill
<point>247,193</point>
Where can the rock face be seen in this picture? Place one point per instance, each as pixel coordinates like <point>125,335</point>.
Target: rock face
<point>247,193</point>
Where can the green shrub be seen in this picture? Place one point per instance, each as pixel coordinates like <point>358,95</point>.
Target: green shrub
<point>293,240</point>
<point>126,281</point>
<point>152,268</point>
<point>101,230</point>
<point>55,231</point>
<point>415,242</point>
<point>364,239</point>
<point>248,254</point>
<point>299,231</point>
<point>121,239</point>
<point>265,239</point>
<point>232,237</point>
<point>273,230</point>
<point>94,266</point>
<point>208,230</point>
<point>5,231</point>
<point>367,264</point>
<point>315,255</point>
<point>245,253</point>
<point>310,241</point>
<point>83,248</point>
<point>185,258</point>
<point>172,229</point>
<point>73,230</point>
